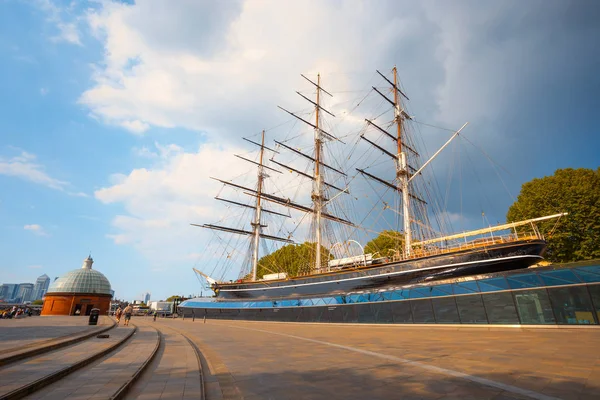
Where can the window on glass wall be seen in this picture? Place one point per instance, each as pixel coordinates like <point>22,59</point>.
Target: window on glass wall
<point>500,308</point>
<point>445,310</point>
<point>572,305</point>
<point>534,307</point>
<point>470,309</point>
<point>422,311</point>
<point>595,293</point>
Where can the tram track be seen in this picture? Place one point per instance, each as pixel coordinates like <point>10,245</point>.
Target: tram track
<point>24,377</point>
<point>38,348</point>
<point>146,382</point>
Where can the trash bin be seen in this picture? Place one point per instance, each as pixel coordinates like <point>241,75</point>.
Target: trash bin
<point>94,314</point>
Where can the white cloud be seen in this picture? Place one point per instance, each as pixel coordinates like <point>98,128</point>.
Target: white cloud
<point>161,201</point>
<point>218,76</point>
<point>36,229</point>
<point>24,167</point>
<point>63,20</point>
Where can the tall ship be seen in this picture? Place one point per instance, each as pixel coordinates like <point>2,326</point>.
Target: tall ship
<point>415,249</point>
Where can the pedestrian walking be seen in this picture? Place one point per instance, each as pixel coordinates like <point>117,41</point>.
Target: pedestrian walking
<point>118,314</point>
<point>127,311</point>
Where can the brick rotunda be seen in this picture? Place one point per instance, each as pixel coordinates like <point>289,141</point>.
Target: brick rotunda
<point>78,291</point>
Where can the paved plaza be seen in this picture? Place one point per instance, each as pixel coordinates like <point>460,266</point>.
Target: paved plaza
<point>259,360</point>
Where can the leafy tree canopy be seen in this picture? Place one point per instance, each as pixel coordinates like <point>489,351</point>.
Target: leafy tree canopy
<point>294,259</point>
<point>386,244</point>
<point>576,191</point>
<point>171,298</point>
<point>37,302</point>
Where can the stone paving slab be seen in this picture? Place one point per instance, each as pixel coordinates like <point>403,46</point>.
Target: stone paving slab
<point>24,333</point>
<point>105,377</point>
<point>21,373</point>
<point>174,373</point>
<point>324,361</point>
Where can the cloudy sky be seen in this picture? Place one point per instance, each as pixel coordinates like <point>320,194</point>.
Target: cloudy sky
<point>114,114</point>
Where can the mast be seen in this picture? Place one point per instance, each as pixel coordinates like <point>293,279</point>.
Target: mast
<point>317,194</point>
<point>257,227</point>
<point>402,171</point>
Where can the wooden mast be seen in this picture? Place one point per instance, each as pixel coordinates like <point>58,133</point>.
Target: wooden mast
<point>402,171</point>
<point>317,195</point>
<point>256,224</point>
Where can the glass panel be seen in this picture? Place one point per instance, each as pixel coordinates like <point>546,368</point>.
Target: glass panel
<point>385,314</point>
<point>434,292</point>
<point>354,298</point>
<point>500,308</point>
<point>335,313</point>
<point>534,307</point>
<point>318,302</point>
<point>465,287</point>
<point>595,293</point>
<point>447,289</point>
<point>366,313</point>
<point>492,285</point>
<point>470,309</point>
<point>315,313</point>
<point>446,311</point>
<point>401,311</point>
<point>523,281</point>
<point>572,305</point>
<point>303,315</point>
<point>422,311</point>
<point>416,293</point>
<point>556,278</point>
<point>350,314</point>
<point>587,276</point>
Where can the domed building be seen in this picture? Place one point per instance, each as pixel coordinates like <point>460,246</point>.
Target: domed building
<point>78,291</point>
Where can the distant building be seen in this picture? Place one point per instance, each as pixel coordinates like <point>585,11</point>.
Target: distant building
<point>147,298</point>
<point>24,292</point>
<point>78,292</point>
<point>161,306</point>
<point>8,291</point>
<point>41,287</point>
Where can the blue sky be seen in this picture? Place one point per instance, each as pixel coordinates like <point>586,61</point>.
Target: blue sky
<point>113,115</point>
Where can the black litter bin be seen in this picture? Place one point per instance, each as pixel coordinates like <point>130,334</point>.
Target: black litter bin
<point>94,314</point>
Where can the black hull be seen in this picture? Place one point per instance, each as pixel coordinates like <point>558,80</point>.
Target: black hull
<point>497,258</point>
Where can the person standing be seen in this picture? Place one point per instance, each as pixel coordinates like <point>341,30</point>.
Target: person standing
<point>127,311</point>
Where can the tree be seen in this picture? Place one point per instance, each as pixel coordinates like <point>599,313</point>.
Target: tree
<point>293,259</point>
<point>386,244</point>
<point>576,191</point>
<point>174,297</point>
<point>37,302</point>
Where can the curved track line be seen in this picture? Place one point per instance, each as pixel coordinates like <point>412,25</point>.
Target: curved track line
<point>55,376</point>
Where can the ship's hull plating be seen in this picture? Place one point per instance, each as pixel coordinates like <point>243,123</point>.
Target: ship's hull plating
<point>501,257</point>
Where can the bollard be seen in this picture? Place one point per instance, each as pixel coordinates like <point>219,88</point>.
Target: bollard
<point>193,316</point>
<point>205,319</point>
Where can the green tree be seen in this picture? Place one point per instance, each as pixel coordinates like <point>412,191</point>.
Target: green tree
<point>171,298</point>
<point>386,244</point>
<point>293,259</point>
<point>576,191</point>
<point>37,302</point>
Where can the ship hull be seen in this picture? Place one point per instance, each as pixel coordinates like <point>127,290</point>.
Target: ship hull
<point>496,258</point>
